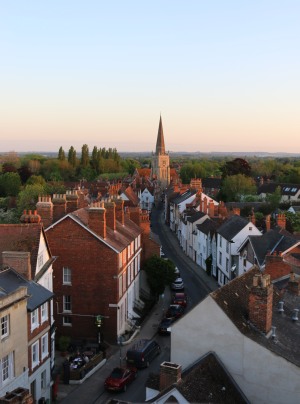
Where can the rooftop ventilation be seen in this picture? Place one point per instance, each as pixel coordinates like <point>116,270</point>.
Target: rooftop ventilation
<point>273,329</point>
<point>280,308</point>
<point>295,315</point>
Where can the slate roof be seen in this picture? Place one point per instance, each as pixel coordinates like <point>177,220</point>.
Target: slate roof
<point>273,241</point>
<point>286,188</point>
<point>232,226</point>
<point>206,381</point>
<point>233,300</point>
<point>209,226</point>
<point>11,280</point>
<point>195,215</point>
<point>184,196</point>
<point>23,238</point>
<point>211,182</point>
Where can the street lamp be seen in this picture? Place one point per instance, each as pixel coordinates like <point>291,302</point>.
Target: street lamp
<point>98,323</point>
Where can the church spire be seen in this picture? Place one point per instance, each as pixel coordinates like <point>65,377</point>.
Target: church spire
<point>160,143</point>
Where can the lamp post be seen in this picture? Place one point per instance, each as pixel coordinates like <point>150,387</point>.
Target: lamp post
<point>98,323</point>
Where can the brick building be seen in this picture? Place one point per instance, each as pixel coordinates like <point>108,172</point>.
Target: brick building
<point>97,271</point>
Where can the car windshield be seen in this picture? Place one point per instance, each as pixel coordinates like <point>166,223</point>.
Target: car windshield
<point>117,373</point>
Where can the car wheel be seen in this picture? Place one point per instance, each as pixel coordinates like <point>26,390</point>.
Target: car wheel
<point>125,387</point>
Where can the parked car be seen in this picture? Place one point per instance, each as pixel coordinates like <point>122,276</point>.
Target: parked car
<point>120,378</point>
<point>164,327</point>
<point>180,298</point>
<point>177,273</point>
<point>177,284</point>
<point>142,353</point>
<point>174,311</point>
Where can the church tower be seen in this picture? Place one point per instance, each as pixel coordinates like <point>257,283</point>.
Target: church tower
<point>161,162</point>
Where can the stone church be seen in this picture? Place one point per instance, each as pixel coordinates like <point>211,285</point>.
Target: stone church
<point>160,164</point>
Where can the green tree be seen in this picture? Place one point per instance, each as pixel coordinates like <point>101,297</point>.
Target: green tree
<point>94,160</point>
<point>160,273</point>
<point>85,158</point>
<point>36,179</point>
<point>10,184</point>
<point>72,156</point>
<point>61,154</point>
<point>235,167</point>
<point>28,197</point>
<point>235,187</point>
<point>273,200</point>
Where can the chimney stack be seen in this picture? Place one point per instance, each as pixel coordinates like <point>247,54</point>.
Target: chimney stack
<point>170,373</point>
<point>97,219</point>
<point>44,208</point>
<point>19,261</point>
<point>59,206</point>
<point>281,220</point>
<point>261,302</point>
<point>110,215</point>
<point>268,222</point>
<point>119,210</point>
<point>30,217</point>
<point>72,200</point>
<point>294,285</point>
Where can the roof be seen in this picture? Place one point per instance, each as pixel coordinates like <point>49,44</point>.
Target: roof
<point>286,188</point>
<point>274,241</point>
<point>118,240</point>
<point>209,226</point>
<point>11,280</point>
<point>181,198</point>
<point>211,182</point>
<point>21,237</point>
<point>206,381</point>
<point>144,172</point>
<point>131,195</point>
<point>233,300</point>
<point>195,215</point>
<point>232,226</point>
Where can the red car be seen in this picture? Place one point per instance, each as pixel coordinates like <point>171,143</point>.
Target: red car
<point>120,378</point>
<point>180,298</point>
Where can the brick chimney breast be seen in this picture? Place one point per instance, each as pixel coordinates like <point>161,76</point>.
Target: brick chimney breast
<point>170,373</point>
<point>44,208</point>
<point>110,215</point>
<point>261,302</point>
<point>97,218</point>
<point>19,261</point>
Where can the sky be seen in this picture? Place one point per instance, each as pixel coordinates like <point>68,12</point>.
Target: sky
<point>224,75</point>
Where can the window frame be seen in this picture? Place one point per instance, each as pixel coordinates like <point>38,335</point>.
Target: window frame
<point>5,326</point>
<point>45,346</point>
<point>44,312</point>
<point>34,319</point>
<point>35,352</point>
<point>67,302</point>
<point>67,276</point>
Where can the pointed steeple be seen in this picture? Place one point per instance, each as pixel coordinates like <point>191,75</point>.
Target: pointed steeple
<point>160,143</point>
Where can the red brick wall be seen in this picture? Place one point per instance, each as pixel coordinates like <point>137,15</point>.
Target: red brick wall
<point>275,267</point>
<point>260,306</point>
<point>93,266</point>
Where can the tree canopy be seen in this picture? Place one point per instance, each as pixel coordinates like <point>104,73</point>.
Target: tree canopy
<point>160,273</point>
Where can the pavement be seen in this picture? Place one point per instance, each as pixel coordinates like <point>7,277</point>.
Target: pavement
<point>148,329</point>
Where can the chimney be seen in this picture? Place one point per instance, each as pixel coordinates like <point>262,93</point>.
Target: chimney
<point>222,210</point>
<point>261,302</point>
<point>82,201</point>
<point>236,211</point>
<point>110,215</point>
<point>211,208</point>
<point>59,206</point>
<point>119,210</point>
<point>170,373</point>
<point>19,261</point>
<point>97,219</point>
<point>281,220</point>
<point>134,214</point>
<point>44,208</point>
<point>30,217</point>
<point>72,200</point>
<point>268,222</point>
<point>293,285</point>
<point>205,205</point>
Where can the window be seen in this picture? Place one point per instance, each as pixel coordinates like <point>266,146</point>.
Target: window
<point>4,326</point>
<point>34,319</point>
<point>220,258</point>
<point>6,367</point>
<point>43,380</point>
<point>220,241</point>
<point>44,342</point>
<point>120,286</point>
<point>34,354</point>
<point>227,246</point>
<point>67,321</point>
<point>44,312</point>
<point>67,304</point>
<point>40,260</point>
<point>66,276</point>
<point>227,264</point>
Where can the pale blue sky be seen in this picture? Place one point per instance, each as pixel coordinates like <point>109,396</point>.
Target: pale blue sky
<point>225,75</point>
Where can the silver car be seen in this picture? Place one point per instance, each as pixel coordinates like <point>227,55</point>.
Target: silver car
<point>177,284</point>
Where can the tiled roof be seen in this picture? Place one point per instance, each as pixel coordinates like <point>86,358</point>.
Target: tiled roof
<point>132,196</point>
<point>118,239</point>
<point>144,172</point>
<point>184,196</point>
<point>233,300</point>
<point>232,226</point>
<point>286,189</point>
<point>10,280</point>
<point>195,216</point>
<point>23,238</point>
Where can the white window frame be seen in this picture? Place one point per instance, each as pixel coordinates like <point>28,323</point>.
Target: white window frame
<point>6,369</point>
<point>5,326</point>
<point>35,359</point>
<point>43,380</point>
<point>44,346</point>
<point>34,319</point>
<point>67,323</point>
<point>67,276</point>
<point>67,301</point>
<point>44,312</point>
